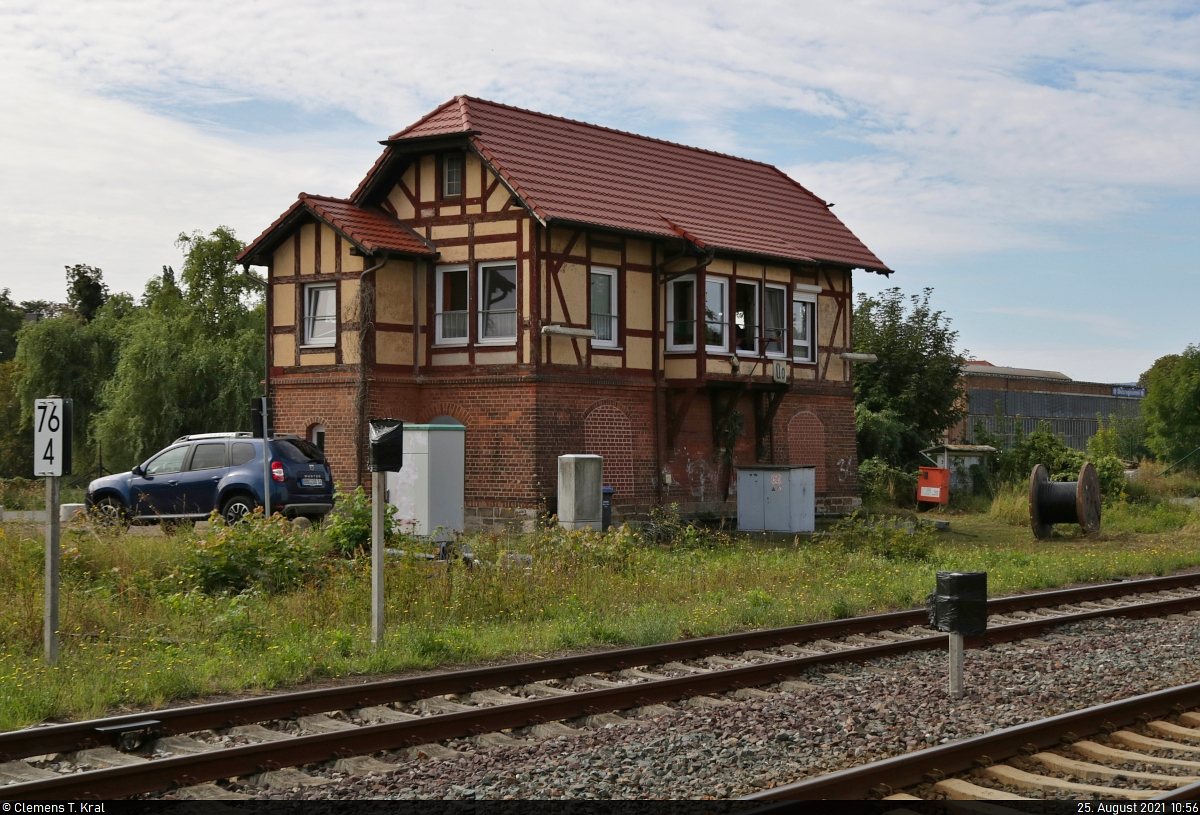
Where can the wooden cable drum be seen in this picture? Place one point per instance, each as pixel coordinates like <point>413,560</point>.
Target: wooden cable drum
<point>1064,502</point>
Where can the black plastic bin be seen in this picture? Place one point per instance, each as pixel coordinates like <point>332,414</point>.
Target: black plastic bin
<point>606,508</point>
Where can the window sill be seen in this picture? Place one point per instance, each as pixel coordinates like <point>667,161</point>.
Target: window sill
<point>450,344</point>
<point>316,347</point>
<point>680,351</point>
<point>598,347</point>
<point>510,342</point>
<point>803,361</point>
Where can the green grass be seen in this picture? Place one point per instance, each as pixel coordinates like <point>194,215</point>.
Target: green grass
<point>137,633</point>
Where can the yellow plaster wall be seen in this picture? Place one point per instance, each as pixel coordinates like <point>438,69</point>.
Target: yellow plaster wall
<point>562,351</point>
<point>605,361</point>
<point>638,252</point>
<point>284,262</point>
<point>428,177</point>
<point>639,352</point>
<point>639,300</point>
<point>836,371</point>
<point>350,347</point>
<point>308,248</point>
<point>496,251</point>
<point>453,254</point>
<point>474,209</point>
<point>574,280</point>
<point>717,365</point>
<point>721,266</point>
<point>559,238</point>
<point>328,250</point>
<point>495,227</point>
<point>284,310</point>
<point>349,299</point>
<point>526,290</point>
<point>804,371</point>
<point>404,208</point>
<point>606,257</point>
<point>450,359</point>
<point>350,263</point>
<point>456,209</point>
<point>283,350</point>
<point>471,170</point>
<point>496,357</point>
<point>439,233</point>
<point>498,198</point>
<point>394,295</point>
<point>826,316</point>
<point>680,368</point>
<point>318,359</point>
<point>393,347</point>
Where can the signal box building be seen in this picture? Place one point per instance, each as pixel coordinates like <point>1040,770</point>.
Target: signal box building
<point>559,287</point>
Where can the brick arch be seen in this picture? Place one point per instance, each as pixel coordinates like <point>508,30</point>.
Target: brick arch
<point>608,432</point>
<point>447,409</point>
<point>806,443</point>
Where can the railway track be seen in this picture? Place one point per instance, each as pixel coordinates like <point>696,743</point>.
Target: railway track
<point>1146,747</point>
<point>260,739</point>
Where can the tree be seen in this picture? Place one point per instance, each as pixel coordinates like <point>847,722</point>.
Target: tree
<point>1172,405</point>
<point>12,317</point>
<point>86,290</point>
<point>914,393</point>
<point>214,284</point>
<point>16,442</point>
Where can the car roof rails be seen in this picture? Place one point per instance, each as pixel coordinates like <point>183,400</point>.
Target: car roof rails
<point>195,436</point>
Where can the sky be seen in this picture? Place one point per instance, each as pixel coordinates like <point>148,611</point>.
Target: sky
<point>1037,164</point>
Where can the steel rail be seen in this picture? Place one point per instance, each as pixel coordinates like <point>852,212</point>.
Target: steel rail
<point>218,715</point>
<point>894,774</point>
<point>240,761</point>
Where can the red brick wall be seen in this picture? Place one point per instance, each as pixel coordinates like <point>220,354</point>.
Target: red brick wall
<point>607,432</point>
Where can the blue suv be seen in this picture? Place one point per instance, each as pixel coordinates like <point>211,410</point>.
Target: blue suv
<point>217,471</point>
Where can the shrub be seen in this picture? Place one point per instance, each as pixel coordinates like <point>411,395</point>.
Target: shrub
<point>882,483</point>
<point>256,553</point>
<point>665,527</point>
<point>887,538</point>
<point>349,526</point>
<point>1011,505</point>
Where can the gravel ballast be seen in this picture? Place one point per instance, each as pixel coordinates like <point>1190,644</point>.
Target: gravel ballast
<point>871,712</point>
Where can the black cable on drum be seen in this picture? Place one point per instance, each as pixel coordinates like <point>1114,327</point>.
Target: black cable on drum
<point>1064,502</point>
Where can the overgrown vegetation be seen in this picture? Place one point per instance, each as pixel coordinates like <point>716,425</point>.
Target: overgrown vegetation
<point>147,620</point>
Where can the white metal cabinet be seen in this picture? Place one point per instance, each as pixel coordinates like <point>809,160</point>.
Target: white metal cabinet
<point>428,492</point>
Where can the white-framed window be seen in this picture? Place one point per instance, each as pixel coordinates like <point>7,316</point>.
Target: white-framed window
<point>745,317</point>
<point>715,317</point>
<point>775,318</point>
<point>320,314</point>
<point>452,173</point>
<point>497,302</point>
<point>450,311</point>
<point>604,306</point>
<point>804,323</point>
<point>681,314</point>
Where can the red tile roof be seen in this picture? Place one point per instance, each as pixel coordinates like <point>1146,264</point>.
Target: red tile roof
<point>573,171</point>
<point>370,228</point>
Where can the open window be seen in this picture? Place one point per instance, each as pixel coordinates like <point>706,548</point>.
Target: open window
<point>604,307</point>
<point>804,323</point>
<point>497,302</point>
<point>745,317</point>
<point>715,311</point>
<point>450,314</point>
<point>775,320</point>
<point>320,314</point>
<point>681,314</point>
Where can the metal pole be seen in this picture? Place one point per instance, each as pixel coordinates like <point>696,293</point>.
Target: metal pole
<point>956,666</point>
<point>53,552</point>
<point>266,424</point>
<point>378,506</point>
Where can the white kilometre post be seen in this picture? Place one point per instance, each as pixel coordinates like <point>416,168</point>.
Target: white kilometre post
<point>957,650</point>
<point>51,458</point>
<point>378,508</point>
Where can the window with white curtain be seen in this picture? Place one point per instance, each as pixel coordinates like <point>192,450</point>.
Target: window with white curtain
<point>604,306</point>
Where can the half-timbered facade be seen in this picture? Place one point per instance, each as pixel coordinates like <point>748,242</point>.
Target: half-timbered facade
<point>559,287</point>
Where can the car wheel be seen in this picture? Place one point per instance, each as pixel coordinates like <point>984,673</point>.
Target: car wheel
<point>110,513</point>
<point>237,508</point>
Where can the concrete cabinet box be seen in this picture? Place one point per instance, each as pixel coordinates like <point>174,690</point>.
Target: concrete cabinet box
<point>580,492</point>
<point>428,490</point>
<point>776,499</point>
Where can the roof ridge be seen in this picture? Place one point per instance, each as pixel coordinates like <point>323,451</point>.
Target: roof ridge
<point>615,130</point>
<point>464,112</point>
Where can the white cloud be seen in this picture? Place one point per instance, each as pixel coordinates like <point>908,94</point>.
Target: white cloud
<point>1105,325</point>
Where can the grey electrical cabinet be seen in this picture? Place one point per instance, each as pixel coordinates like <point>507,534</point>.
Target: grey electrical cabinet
<point>429,489</point>
<point>776,499</point>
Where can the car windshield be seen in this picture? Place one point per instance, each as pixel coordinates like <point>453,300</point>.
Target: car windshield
<point>168,461</point>
<point>299,451</point>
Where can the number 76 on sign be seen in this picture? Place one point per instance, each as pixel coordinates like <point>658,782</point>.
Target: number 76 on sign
<point>52,437</point>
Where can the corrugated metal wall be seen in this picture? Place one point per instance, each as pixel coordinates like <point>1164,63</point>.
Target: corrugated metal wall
<point>1071,416</point>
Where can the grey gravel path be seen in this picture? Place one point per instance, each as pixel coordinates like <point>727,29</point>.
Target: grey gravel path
<point>885,709</point>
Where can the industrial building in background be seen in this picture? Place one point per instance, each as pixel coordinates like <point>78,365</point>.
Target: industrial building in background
<point>559,288</point>
<point>1004,399</point>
